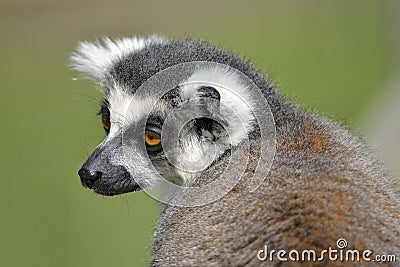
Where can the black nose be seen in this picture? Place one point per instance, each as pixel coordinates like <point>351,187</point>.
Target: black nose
<point>89,177</point>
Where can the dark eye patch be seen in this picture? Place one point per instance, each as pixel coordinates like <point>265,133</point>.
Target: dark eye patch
<point>173,97</point>
<point>154,122</point>
<point>105,115</point>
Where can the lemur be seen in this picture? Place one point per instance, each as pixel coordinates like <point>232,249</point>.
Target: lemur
<point>324,183</point>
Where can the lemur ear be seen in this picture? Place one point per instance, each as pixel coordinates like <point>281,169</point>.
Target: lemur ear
<point>208,99</point>
<point>94,60</point>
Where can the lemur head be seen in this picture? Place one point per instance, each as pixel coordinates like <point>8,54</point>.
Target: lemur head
<point>135,122</point>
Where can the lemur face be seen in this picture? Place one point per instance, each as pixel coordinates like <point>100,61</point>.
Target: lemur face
<point>122,116</point>
<point>128,153</point>
<point>137,150</point>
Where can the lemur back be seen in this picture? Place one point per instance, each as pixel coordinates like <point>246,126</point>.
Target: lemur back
<point>323,186</point>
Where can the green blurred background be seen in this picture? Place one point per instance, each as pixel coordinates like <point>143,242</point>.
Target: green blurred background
<point>331,56</point>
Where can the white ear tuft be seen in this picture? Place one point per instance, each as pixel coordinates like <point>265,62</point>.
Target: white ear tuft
<point>94,60</point>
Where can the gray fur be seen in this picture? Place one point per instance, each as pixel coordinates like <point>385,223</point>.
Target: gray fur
<point>324,183</point>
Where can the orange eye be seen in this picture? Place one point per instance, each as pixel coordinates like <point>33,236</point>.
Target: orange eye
<point>105,119</point>
<point>152,138</point>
